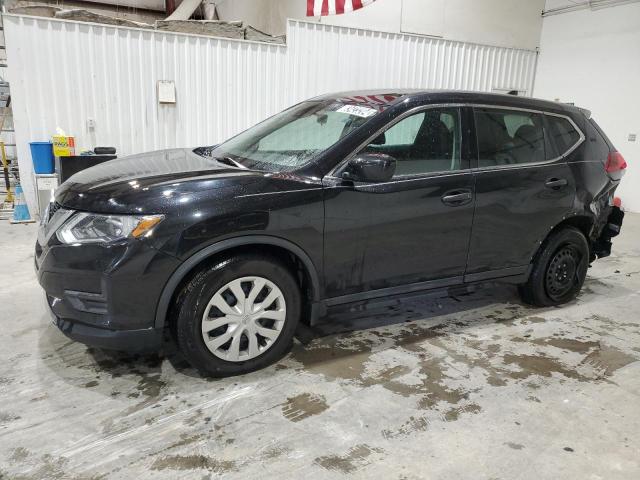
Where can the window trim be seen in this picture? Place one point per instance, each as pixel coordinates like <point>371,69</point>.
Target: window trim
<point>332,173</point>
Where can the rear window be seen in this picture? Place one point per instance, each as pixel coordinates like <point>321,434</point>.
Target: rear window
<point>562,133</point>
<point>509,137</point>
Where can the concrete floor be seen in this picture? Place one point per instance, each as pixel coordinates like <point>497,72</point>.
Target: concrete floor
<point>478,386</point>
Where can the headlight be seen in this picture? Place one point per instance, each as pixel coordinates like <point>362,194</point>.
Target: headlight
<point>96,228</point>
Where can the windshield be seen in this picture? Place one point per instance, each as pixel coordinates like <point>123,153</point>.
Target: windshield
<point>293,137</point>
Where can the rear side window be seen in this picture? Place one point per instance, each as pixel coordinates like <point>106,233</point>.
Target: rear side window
<point>562,133</point>
<point>509,137</point>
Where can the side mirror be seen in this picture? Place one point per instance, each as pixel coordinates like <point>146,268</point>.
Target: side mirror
<point>370,167</point>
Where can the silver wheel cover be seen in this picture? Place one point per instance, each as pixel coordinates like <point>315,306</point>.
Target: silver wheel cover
<point>243,319</point>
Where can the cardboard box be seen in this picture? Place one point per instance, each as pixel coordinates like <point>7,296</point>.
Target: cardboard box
<point>63,146</point>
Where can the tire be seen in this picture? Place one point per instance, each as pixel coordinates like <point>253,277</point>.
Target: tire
<point>211,288</point>
<point>559,269</point>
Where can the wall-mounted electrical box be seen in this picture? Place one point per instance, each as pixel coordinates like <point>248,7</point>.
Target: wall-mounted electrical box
<point>166,91</point>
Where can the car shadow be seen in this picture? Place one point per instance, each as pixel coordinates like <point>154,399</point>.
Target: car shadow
<point>397,310</point>
<point>420,307</point>
<point>386,312</point>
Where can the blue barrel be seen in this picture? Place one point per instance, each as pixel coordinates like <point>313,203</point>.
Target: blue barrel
<point>42,156</point>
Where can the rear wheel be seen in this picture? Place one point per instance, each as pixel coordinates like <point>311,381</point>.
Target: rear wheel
<point>559,269</point>
<point>238,315</point>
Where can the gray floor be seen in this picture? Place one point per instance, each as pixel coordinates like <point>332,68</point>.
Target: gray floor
<point>478,386</point>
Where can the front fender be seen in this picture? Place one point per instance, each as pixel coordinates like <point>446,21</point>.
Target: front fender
<point>194,260</point>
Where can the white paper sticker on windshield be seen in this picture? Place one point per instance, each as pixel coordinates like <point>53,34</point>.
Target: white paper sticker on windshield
<point>357,110</point>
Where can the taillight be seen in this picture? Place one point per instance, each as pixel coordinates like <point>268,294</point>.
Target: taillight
<point>617,201</point>
<point>615,163</point>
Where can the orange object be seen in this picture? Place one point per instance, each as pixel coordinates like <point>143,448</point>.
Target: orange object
<point>145,225</point>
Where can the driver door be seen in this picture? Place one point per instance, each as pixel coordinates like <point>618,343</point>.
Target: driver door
<point>412,232</point>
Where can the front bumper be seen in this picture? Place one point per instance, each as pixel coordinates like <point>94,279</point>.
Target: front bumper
<point>104,295</point>
<point>143,340</point>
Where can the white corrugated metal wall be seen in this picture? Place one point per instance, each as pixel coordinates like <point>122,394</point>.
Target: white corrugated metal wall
<point>62,73</point>
<point>326,58</point>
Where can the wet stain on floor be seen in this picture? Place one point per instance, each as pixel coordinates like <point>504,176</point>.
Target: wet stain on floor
<point>334,357</point>
<point>608,359</point>
<point>515,446</point>
<point>411,426</point>
<point>431,387</point>
<point>193,462</point>
<point>434,380</point>
<point>356,458</point>
<point>453,414</point>
<point>303,406</point>
<point>274,451</point>
<point>571,344</point>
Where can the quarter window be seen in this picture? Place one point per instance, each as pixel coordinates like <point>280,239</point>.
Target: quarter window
<point>425,142</point>
<point>598,148</point>
<point>562,133</point>
<point>509,137</point>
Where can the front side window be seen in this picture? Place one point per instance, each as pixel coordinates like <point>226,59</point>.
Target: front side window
<point>295,136</point>
<point>508,137</point>
<point>425,142</point>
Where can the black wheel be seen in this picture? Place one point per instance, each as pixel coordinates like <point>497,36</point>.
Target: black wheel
<point>559,269</point>
<point>238,315</point>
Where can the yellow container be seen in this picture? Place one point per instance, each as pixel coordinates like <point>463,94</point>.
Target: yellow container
<point>63,146</point>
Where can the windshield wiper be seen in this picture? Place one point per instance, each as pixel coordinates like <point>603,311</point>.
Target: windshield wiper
<point>229,161</point>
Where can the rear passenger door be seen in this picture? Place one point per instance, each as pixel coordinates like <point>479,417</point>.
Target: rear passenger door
<point>523,189</point>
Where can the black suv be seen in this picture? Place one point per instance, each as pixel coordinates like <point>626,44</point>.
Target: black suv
<point>338,199</point>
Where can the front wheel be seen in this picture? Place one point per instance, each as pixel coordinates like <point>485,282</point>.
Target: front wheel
<point>559,269</point>
<point>238,316</point>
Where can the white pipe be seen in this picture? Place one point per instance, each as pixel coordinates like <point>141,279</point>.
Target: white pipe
<point>592,4</point>
<point>140,4</point>
<point>209,10</point>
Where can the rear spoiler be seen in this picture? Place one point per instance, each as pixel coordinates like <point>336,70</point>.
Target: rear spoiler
<point>585,112</point>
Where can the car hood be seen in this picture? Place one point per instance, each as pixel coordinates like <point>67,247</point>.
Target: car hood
<point>150,182</point>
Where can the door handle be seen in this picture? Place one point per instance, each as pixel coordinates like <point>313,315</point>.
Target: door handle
<point>556,183</point>
<point>457,197</point>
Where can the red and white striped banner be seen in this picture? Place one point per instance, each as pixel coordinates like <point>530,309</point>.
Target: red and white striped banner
<point>316,8</point>
<point>381,99</point>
